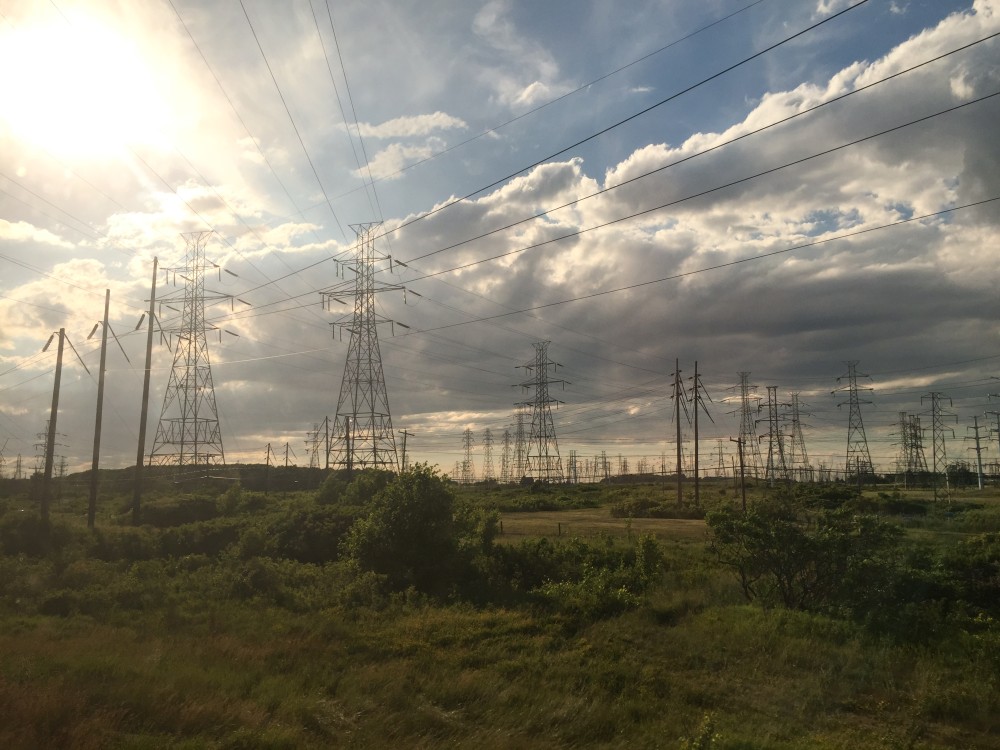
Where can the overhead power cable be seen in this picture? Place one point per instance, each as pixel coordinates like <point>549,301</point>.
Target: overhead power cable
<point>716,267</point>
<point>631,117</point>
<point>709,150</point>
<point>709,191</point>
<point>556,100</point>
<point>291,119</point>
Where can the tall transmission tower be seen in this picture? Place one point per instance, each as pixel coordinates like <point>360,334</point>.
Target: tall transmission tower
<point>798,456</point>
<point>749,404</point>
<point>505,457</point>
<point>488,472</point>
<point>859,460</point>
<point>938,448</point>
<point>468,468</point>
<point>363,424</point>
<point>916,461</point>
<point>903,456</point>
<point>188,432</point>
<point>776,466</point>
<point>543,461</point>
<point>520,467</point>
<point>312,446</point>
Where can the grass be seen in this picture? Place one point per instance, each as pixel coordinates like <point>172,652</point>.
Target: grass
<point>172,653</point>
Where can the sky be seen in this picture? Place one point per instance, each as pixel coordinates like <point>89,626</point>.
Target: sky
<point>777,187</point>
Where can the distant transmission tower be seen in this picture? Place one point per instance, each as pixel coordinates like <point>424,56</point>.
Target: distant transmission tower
<point>505,458</point>
<point>520,467</point>
<point>859,460</point>
<point>363,435</point>
<point>939,451</point>
<point>916,461</point>
<point>188,432</point>
<point>543,461</point>
<point>749,403</point>
<point>468,468</point>
<point>312,446</point>
<point>798,456</point>
<point>488,473</point>
<point>776,466</point>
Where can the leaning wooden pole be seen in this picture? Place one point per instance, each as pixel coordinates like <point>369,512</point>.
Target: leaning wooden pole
<point>141,452</point>
<point>50,445</point>
<point>92,506</point>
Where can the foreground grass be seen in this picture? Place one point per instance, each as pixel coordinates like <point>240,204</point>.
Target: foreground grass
<point>422,676</point>
<point>184,653</point>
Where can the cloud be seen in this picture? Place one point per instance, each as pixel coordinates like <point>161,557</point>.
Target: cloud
<point>20,231</point>
<point>387,163</point>
<point>411,126</point>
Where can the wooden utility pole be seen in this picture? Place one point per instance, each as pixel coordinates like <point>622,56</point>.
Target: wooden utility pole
<point>141,450</point>
<point>50,444</point>
<point>677,420</point>
<point>405,434</point>
<point>92,506</point>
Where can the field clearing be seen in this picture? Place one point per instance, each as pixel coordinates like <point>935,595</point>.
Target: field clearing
<point>590,522</point>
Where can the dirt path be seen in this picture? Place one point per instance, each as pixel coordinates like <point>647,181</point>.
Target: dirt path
<point>590,522</point>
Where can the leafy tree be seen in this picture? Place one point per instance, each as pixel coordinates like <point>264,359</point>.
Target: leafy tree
<point>831,560</point>
<point>416,535</point>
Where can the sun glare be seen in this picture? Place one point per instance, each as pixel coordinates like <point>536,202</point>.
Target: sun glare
<point>79,89</point>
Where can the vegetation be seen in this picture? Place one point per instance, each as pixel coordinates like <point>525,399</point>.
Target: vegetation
<point>394,611</point>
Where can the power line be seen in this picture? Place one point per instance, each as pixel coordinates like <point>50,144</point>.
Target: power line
<point>630,117</point>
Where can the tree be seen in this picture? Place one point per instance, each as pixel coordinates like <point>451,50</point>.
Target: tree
<point>416,534</point>
<point>825,561</point>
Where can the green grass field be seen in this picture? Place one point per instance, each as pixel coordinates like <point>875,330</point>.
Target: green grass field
<point>243,628</point>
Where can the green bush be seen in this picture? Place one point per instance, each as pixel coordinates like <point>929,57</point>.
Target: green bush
<point>416,535</point>
<point>827,561</point>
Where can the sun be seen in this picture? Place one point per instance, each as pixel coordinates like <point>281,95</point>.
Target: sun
<point>77,88</point>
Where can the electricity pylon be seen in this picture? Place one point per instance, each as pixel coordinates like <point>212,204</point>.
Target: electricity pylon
<point>776,466</point>
<point>916,462</point>
<point>520,467</point>
<point>363,435</point>
<point>468,468</point>
<point>798,456</point>
<point>488,473</point>
<point>939,451</point>
<point>543,461</point>
<point>505,458</point>
<point>859,460</point>
<point>749,404</point>
<point>188,432</point>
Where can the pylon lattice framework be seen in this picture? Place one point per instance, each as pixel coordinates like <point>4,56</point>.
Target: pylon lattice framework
<point>188,432</point>
<point>859,460</point>
<point>798,456</point>
<point>543,461</point>
<point>776,466</point>
<point>363,435</point>
<point>748,426</point>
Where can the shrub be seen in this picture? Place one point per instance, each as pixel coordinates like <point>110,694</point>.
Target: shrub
<point>840,560</point>
<point>416,535</point>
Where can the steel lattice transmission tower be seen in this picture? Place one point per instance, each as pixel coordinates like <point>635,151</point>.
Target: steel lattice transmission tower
<point>798,456</point>
<point>468,467</point>
<point>520,467</point>
<point>362,428</point>
<point>939,451</point>
<point>749,403</point>
<point>543,461</point>
<point>488,472</point>
<point>776,465</point>
<point>859,460</point>
<point>188,432</point>
<point>505,457</point>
